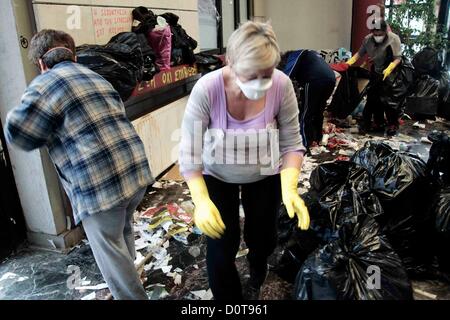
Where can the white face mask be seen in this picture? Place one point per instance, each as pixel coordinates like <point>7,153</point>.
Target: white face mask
<point>255,89</point>
<point>379,39</point>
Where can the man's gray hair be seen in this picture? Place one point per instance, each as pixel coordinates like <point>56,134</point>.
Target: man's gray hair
<point>46,40</point>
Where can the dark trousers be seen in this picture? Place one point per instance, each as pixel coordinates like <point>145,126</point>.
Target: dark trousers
<point>261,202</point>
<point>313,104</point>
<point>375,108</point>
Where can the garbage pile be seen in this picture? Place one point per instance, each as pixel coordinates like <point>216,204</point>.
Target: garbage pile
<point>431,90</point>
<point>120,62</point>
<point>372,226</point>
<point>438,166</point>
<point>170,42</point>
<point>156,43</point>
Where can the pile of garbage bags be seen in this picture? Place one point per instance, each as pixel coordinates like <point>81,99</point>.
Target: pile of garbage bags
<point>170,42</point>
<point>372,227</point>
<point>431,91</point>
<point>120,62</point>
<point>155,44</point>
<point>359,265</point>
<point>439,167</point>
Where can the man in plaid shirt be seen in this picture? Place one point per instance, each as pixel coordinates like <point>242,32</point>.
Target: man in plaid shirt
<point>97,153</point>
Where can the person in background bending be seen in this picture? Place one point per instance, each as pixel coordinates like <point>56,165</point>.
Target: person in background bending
<point>317,79</point>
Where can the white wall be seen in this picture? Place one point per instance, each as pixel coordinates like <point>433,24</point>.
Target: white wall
<point>102,19</point>
<point>310,24</point>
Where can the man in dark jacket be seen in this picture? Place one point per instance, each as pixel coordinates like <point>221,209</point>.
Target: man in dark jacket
<point>317,79</point>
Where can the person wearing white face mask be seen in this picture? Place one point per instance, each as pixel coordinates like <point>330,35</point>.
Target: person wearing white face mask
<point>384,50</point>
<point>246,99</point>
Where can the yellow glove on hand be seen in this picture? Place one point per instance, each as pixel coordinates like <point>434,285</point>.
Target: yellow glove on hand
<point>389,70</point>
<point>292,201</point>
<point>352,61</point>
<point>206,216</point>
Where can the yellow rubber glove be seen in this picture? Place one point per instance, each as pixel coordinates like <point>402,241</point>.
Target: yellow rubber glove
<point>206,216</point>
<point>352,61</point>
<point>292,201</point>
<point>389,70</point>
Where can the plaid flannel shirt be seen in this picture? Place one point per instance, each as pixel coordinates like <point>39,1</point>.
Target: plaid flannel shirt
<point>79,116</point>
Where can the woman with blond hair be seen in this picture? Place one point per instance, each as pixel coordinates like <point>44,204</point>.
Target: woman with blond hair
<point>241,143</point>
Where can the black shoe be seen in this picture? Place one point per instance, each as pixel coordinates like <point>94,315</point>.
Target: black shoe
<point>377,128</point>
<point>392,131</point>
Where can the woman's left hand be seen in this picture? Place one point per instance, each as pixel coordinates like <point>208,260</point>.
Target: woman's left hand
<point>292,201</point>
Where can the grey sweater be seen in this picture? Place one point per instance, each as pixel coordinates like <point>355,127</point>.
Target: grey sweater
<point>207,144</point>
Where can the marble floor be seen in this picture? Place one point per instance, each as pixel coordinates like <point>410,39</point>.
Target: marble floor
<point>34,274</point>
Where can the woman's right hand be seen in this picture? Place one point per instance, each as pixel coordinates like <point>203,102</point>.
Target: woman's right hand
<point>206,215</point>
<point>207,218</point>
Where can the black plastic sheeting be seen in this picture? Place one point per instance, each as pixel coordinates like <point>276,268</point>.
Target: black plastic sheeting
<point>398,86</point>
<point>426,86</point>
<point>120,62</point>
<point>427,62</point>
<point>207,62</point>
<point>347,96</point>
<point>149,57</point>
<point>441,207</point>
<point>391,192</point>
<point>359,265</point>
<point>444,95</point>
<point>344,192</point>
<point>438,165</point>
<point>299,244</point>
<point>340,194</point>
<point>405,190</point>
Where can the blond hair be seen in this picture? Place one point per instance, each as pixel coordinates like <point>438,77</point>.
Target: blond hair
<point>253,47</point>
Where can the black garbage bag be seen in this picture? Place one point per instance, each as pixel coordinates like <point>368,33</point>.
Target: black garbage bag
<point>427,62</point>
<point>183,45</point>
<point>121,78</point>
<point>150,68</point>
<point>134,57</point>
<point>444,95</point>
<point>398,86</point>
<point>344,191</point>
<point>438,165</point>
<point>426,86</point>
<point>392,172</point>
<point>405,190</point>
<point>340,193</point>
<point>359,265</point>
<point>347,97</point>
<point>441,207</point>
<point>298,244</point>
<point>207,62</point>
<point>120,62</point>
